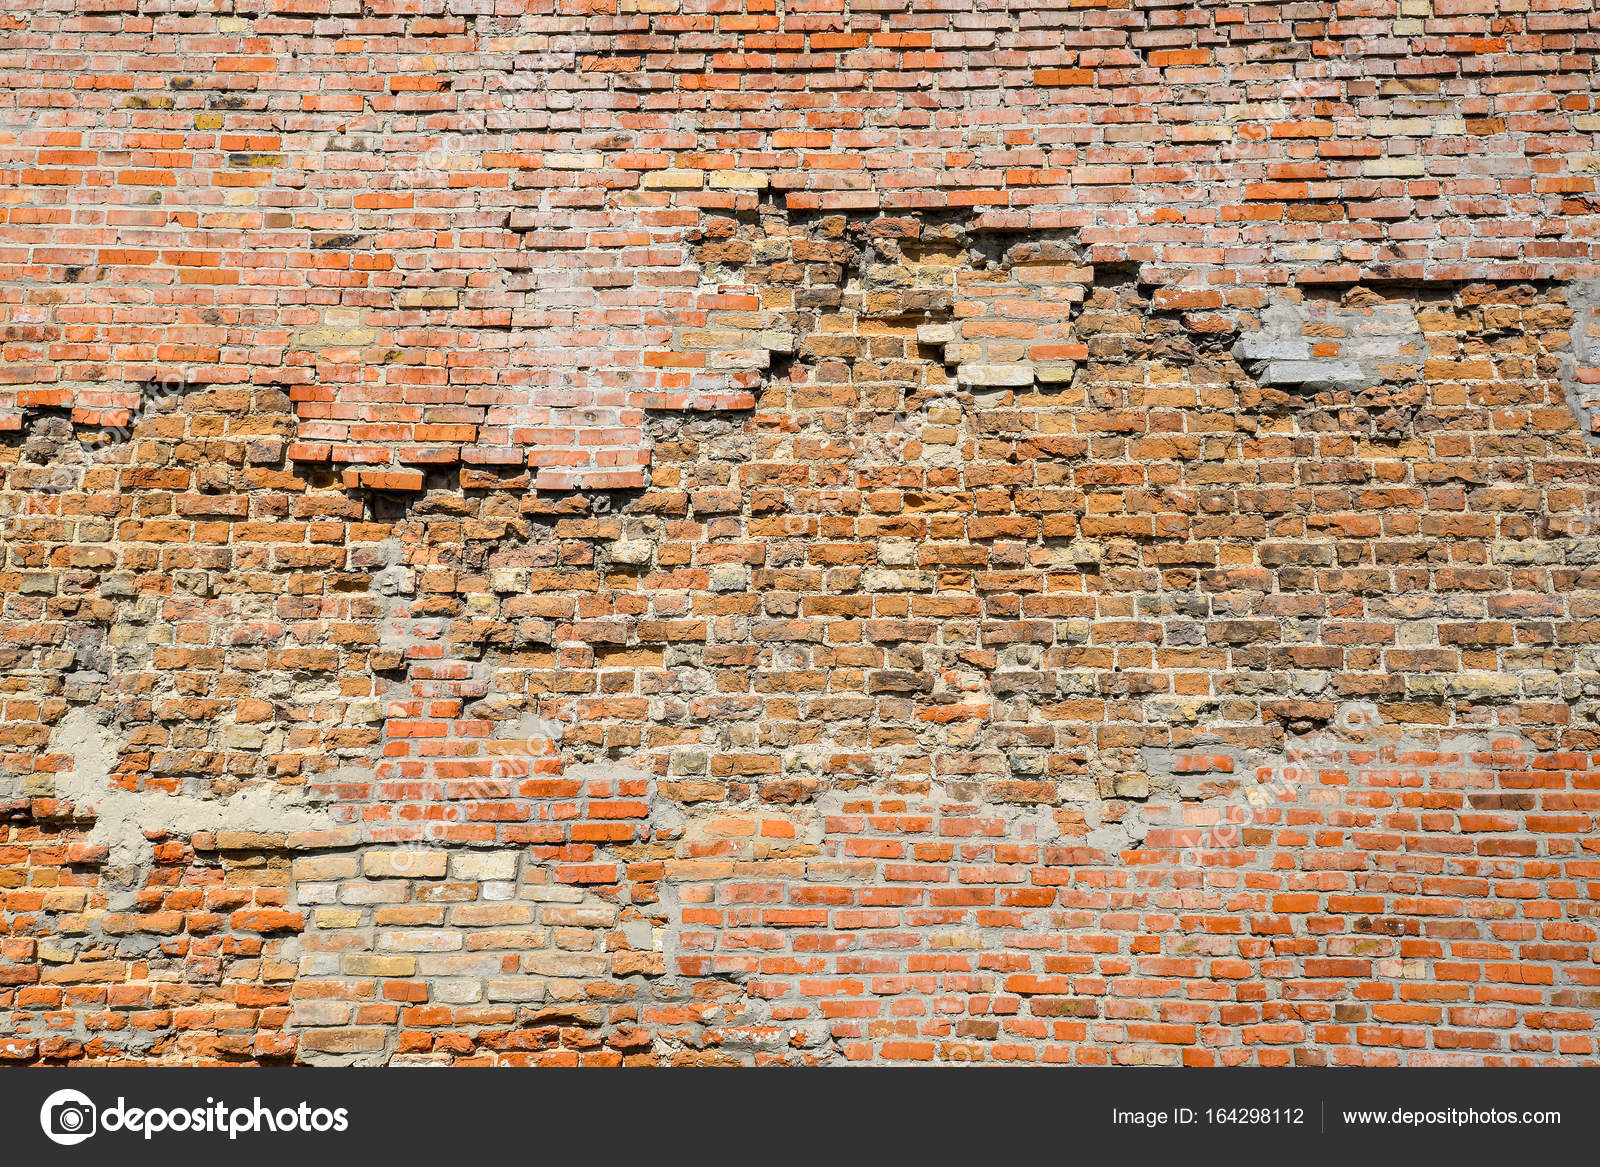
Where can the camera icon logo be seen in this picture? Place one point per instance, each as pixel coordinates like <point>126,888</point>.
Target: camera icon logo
<point>68,1117</point>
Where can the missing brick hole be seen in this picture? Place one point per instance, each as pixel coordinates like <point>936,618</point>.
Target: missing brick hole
<point>1118,275</point>
<point>782,365</point>
<point>441,496</point>
<point>1396,288</point>
<point>1004,249</point>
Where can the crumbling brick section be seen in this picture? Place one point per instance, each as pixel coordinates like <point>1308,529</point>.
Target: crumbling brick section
<point>693,534</point>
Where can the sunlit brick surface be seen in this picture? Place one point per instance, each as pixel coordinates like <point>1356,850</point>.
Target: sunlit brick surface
<point>877,532</point>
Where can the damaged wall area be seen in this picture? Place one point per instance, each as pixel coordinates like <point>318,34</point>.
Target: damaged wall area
<point>851,739</point>
<point>746,537</point>
<point>1311,345</point>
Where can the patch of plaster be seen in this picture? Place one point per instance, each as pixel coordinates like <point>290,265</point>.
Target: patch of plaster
<point>1580,363</point>
<point>122,817</point>
<point>1316,346</point>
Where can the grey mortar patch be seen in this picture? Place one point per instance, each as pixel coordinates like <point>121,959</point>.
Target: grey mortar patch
<point>1376,343</point>
<point>123,816</point>
<point>1580,363</point>
<point>1190,781</point>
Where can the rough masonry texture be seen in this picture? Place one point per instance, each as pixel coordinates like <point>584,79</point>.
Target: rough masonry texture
<point>799,531</point>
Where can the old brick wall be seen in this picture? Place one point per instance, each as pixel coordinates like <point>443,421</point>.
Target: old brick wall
<point>683,532</point>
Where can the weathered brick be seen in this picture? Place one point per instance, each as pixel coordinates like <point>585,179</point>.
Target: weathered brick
<point>696,573</point>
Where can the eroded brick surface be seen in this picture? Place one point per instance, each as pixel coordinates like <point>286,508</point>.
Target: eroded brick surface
<point>682,535</point>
